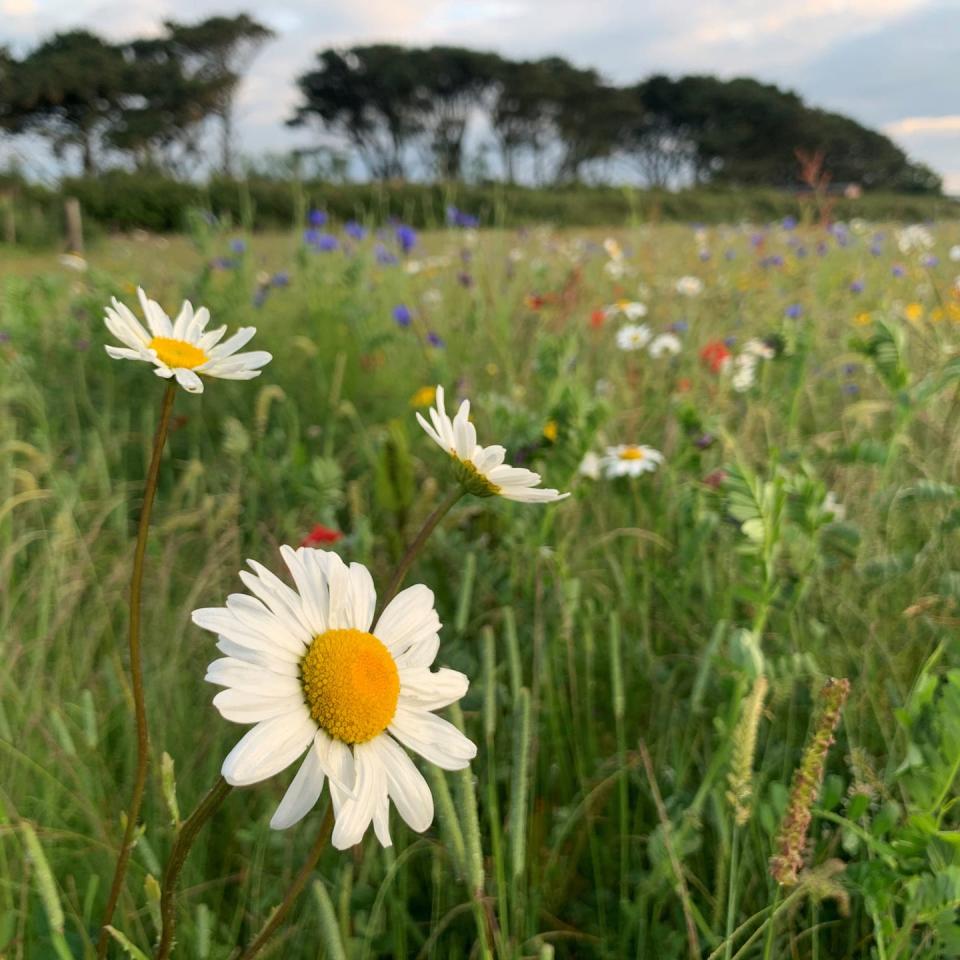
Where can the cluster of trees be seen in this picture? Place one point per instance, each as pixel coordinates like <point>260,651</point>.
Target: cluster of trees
<point>413,112</point>
<point>150,99</point>
<point>398,106</point>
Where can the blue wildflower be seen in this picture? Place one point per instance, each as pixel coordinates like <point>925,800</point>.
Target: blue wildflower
<point>789,223</point>
<point>402,315</point>
<point>238,245</point>
<point>280,279</point>
<point>856,286</point>
<point>435,340</point>
<point>898,271</point>
<point>794,311</point>
<point>406,237</point>
<point>385,257</point>
<point>317,218</point>
<point>354,230</point>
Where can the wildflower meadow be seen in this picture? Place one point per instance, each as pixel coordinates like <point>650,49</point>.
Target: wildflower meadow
<point>481,592</point>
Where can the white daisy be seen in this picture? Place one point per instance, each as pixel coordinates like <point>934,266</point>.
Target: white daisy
<point>633,336</point>
<point>631,460</point>
<point>481,470</point>
<point>590,466</point>
<point>689,286</point>
<point>631,309</point>
<point>665,344</point>
<point>181,348</point>
<point>304,666</point>
<point>759,349</point>
<point>955,253</point>
<point>744,372</point>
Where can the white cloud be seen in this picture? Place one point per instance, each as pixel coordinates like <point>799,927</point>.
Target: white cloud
<point>929,126</point>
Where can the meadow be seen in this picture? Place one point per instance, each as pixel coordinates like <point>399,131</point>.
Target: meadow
<point>649,659</point>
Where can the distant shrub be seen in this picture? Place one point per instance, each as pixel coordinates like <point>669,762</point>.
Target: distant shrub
<point>122,200</point>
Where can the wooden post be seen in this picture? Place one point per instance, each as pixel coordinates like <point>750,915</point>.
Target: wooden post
<point>71,208</point>
<point>9,220</point>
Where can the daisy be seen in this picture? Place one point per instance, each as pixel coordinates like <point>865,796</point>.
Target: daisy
<point>633,336</point>
<point>590,466</point>
<point>631,309</point>
<point>481,470</point>
<point>665,344</point>
<point>181,348</point>
<point>630,460</point>
<point>689,286</point>
<point>744,372</point>
<point>306,669</point>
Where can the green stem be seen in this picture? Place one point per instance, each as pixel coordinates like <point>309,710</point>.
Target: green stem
<point>181,847</point>
<point>771,925</point>
<point>136,670</point>
<point>429,525</point>
<point>732,890</point>
<point>294,890</point>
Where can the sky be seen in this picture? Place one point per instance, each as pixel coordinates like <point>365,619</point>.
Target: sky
<point>891,64</point>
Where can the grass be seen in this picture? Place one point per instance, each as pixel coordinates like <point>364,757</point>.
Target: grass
<point>611,640</point>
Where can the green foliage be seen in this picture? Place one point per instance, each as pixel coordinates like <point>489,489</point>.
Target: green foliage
<point>640,609</point>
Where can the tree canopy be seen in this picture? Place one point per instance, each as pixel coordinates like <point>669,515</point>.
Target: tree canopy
<point>416,112</point>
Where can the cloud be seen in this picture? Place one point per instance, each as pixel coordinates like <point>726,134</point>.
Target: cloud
<point>889,63</point>
<point>930,126</point>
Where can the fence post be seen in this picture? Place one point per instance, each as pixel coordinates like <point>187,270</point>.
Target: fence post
<point>9,219</point>
<point>71,207</point>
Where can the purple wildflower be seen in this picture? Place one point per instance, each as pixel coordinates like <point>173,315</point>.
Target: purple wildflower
<point>354,230</point>
<point>406,237</point>
<point>402,315</point>
<point>385,257</point>
<point>435,340</point>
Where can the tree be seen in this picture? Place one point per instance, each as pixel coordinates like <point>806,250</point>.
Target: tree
<point>453,83</point>
<point>523,113</point>
<point>659,147</point>
<point>369,96</point>
<point>68,90</point>
<point>160,121</point>
<point>214,54</point>
<point>590,117</point>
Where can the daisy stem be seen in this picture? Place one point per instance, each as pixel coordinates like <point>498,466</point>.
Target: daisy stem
<point>136,669</point>
<point>188,832</point>
<point>293,891</point>
<point>429,525</point>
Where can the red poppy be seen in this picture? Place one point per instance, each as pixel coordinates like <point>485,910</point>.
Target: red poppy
<point>320,534</point>
<point>597,318</point>
<point>715,355</point>
<point>534,301</point>
<point>684,385</point>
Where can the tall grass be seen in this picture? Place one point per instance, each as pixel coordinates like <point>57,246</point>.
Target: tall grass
<point>611,641</point>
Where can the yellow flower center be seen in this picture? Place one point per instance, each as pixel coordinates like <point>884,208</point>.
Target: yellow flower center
<point>351,684</point>
<point>631,453</point>
<point>177,353</point>
<point>471,479</point>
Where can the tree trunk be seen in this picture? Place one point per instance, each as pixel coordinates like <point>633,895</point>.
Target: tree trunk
<point>226,141</point>
<point>89,162</point>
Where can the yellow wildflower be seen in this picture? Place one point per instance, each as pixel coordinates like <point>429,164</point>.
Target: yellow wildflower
<point>550,430</point>
<point>913,312</point>
<point>424,397</point>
